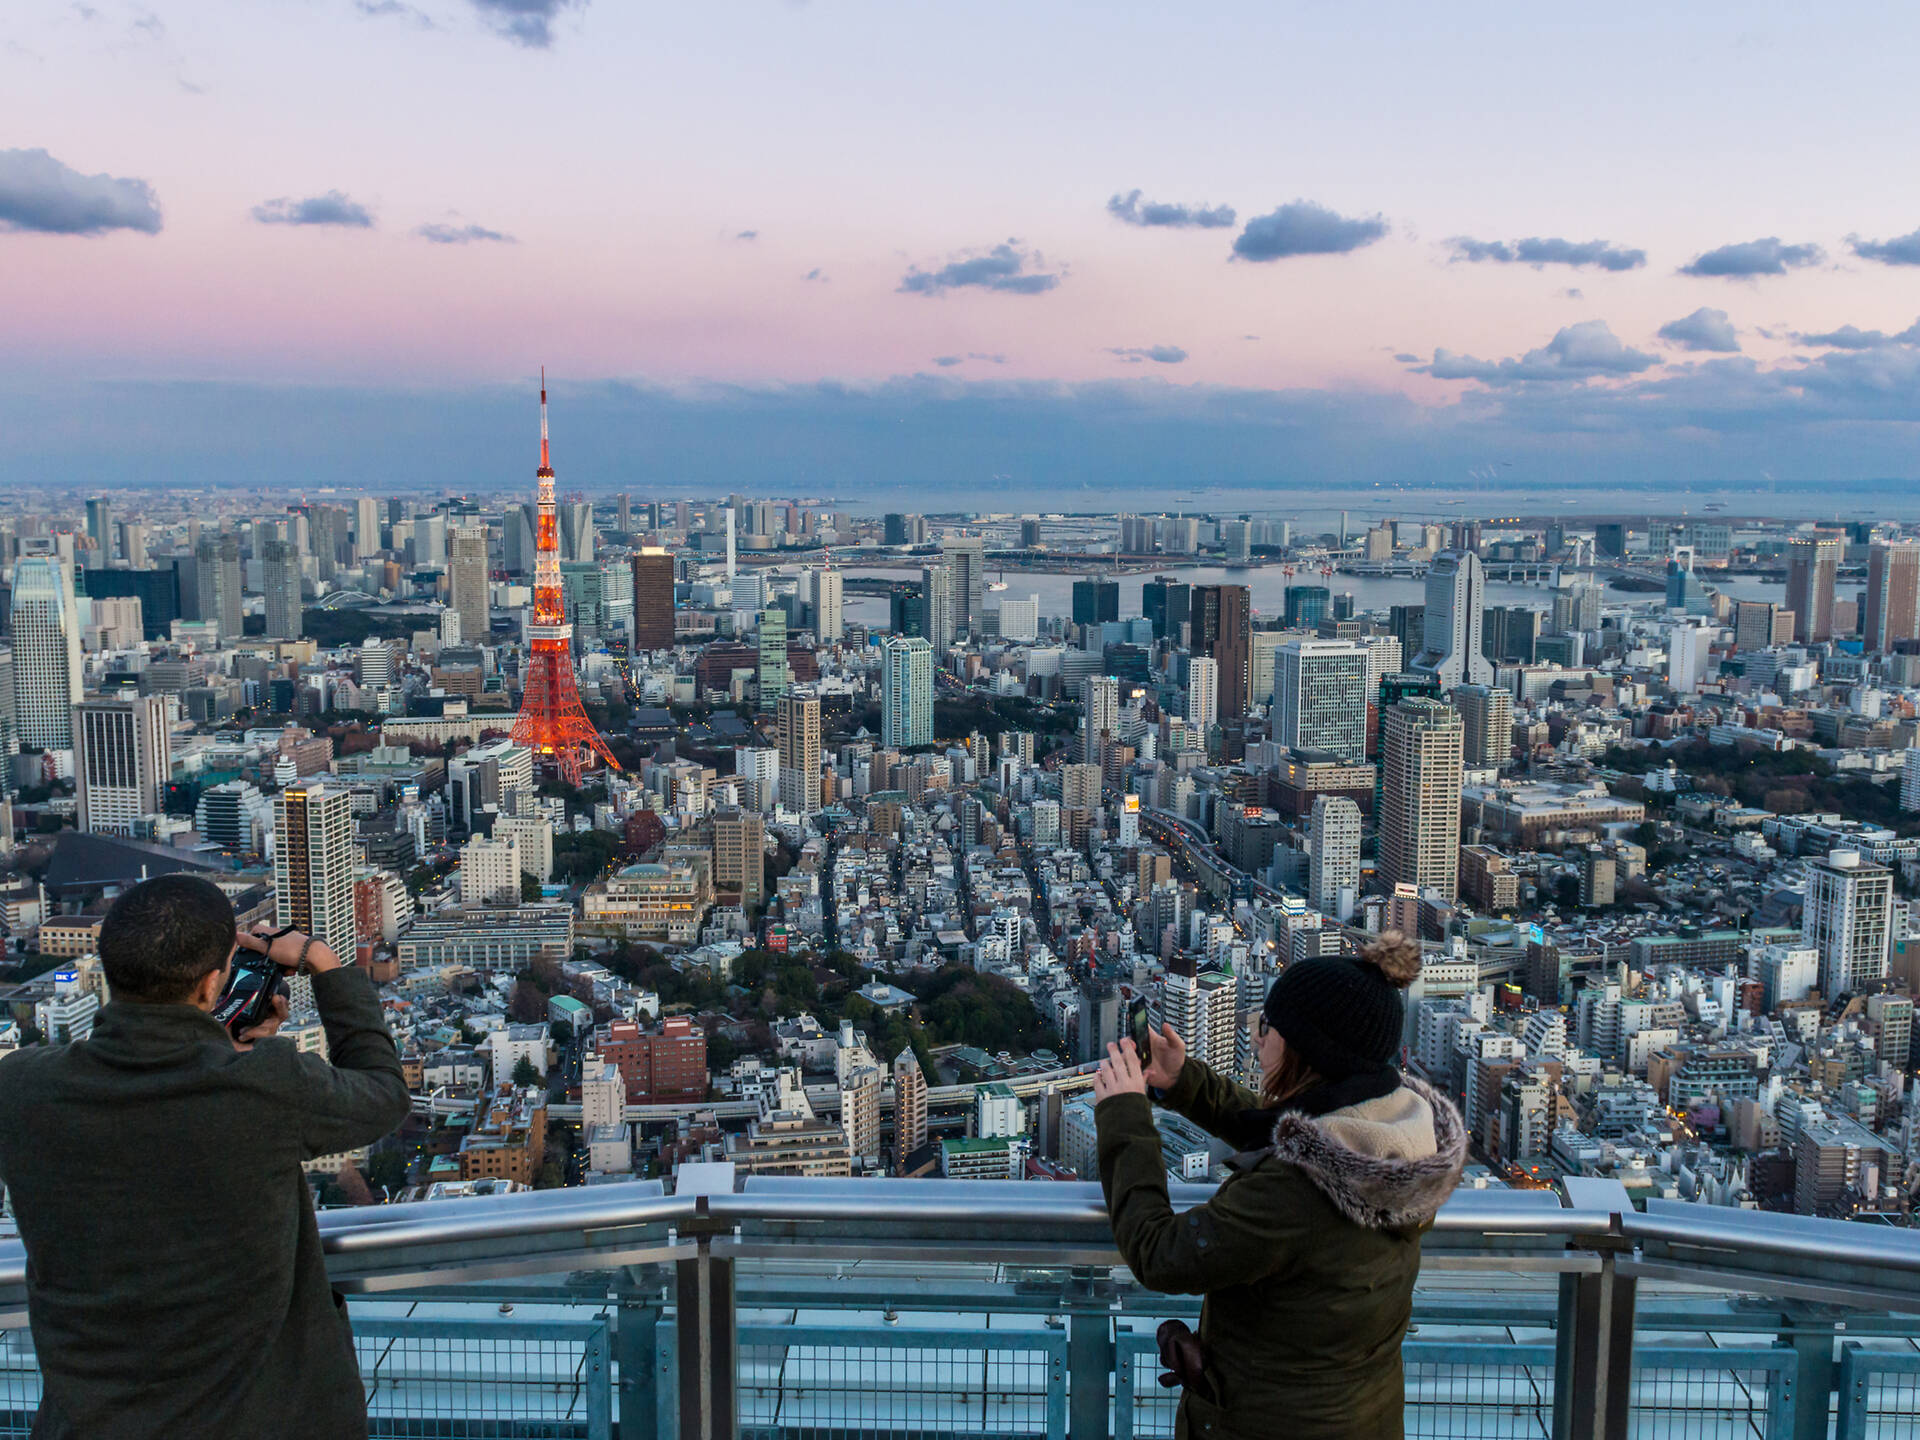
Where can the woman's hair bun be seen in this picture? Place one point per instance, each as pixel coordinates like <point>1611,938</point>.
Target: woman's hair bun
<point>1394,956</point>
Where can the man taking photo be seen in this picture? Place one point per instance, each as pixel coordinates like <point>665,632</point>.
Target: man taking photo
<point>175,1283</point>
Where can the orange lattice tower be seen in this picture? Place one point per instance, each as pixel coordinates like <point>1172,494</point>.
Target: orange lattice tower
<point>552,722</point>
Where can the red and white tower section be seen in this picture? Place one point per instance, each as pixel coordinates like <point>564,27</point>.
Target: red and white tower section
<point>552,723</point>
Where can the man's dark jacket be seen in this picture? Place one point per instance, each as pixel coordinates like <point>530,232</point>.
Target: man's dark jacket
<point>174,1277</point>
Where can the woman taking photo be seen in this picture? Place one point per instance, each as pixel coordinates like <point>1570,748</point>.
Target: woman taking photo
<point>1307,1254</point>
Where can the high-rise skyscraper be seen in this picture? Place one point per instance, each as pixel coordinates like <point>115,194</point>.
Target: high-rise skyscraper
<point>1486,721</point>
<point>936,600</point>
<point>1450,649</point>
<point>120,761</point>
<point>906,692</point>
<point>1165,602</point>
<point>1203,694</point>
<point>280,578</point>
<point>1812,563</point>
<point>909,1108</point>
<point>46,652</point>
<point>366,526</point>
<point>100,527</point>
<point>1306,606</point>
<point>10,726</point>
<point>575,519</point>
<point>1320,697</point>
<point>966,564</point>
<point>800,751</point>
<point>773,656</point>
<point>1420,796</point>
<point>1201,1006</point>
<point>1333,856</point>
<point>828,621</point>
<point>1095,600</point>
<point>1848,918</point>
<point>1099,713</point>
<point>468,581</point>
<point>1893,594</point>
<point>1222,621</point>
<point>1760,624</point>
<point>652,598</point>
<point>217,568</point>
<point>313,864</point>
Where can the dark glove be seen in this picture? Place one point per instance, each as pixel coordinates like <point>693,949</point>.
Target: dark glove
<point>1183,1359</point>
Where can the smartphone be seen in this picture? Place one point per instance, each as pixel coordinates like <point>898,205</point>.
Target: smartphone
<point>1141,1031</point>
<point>248,999</point>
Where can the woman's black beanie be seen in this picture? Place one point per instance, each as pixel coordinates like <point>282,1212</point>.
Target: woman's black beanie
<point>1345,1014</point>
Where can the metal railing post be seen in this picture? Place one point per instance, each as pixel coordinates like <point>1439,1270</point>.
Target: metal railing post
<point>1813,1339</point>
<point>634,1348</point>
<point>706,1347</point>
<point>1090,1354</point>
<point>1593,1339</point>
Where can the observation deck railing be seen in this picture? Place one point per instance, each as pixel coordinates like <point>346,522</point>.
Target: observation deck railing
<point>775,1307</point>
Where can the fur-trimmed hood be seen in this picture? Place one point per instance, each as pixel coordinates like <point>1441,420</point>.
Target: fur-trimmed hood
<point>1371,1160</point>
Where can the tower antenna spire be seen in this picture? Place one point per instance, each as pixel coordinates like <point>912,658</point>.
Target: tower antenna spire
<point>545,463</point>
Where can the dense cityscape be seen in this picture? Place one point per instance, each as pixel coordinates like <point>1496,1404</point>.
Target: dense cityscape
<point>833,843</point>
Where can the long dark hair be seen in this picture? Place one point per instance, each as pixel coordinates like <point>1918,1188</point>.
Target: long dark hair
<point>1292,1077</point>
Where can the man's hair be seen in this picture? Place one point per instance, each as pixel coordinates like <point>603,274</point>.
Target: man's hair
<point>162,936</point>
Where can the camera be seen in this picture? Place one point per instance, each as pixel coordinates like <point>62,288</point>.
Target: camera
<point>248,999</point>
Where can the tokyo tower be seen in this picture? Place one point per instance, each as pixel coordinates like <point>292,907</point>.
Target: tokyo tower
<point>552,722</point>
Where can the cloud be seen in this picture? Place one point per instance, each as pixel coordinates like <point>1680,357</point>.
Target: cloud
<point>1704,329</point>
<point>525,22</point>
<point>1749,258</point>
<point>412,14</point>
<point>1577,353</point>
<point>1539,251</point>
<point>947,362</point>
<point>1901,250</point>
<point>1159,354</point>
<point>748,235</point>
<point>1405,359</point>
<point>816,274</point>
<point>1304,228</point>
<point>1851,337</point>
<point>39,194</point>
<point>332,208</point>
<point>1005,268</point>
<point>1130,209</point>
<point>462,235</point>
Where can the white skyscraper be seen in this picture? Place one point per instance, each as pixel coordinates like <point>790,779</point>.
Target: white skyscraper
<point>1910,779</point>
<point>1100,708</point>
<point>758,768</point>
<point>489,872</point>
<point>280,578</point>
<point>1333,861</point>
<point>1203,693</point>
<point>1201,1008</point>
<point>1687,657</point>
<point>1848,918</point>
<point>1020,619</point>
<point>46,653</point>
<point>120,761</point>
<point>829,623</point>
<point>1456,591</point>
<point>906,692</point>
<point>1320,697</point>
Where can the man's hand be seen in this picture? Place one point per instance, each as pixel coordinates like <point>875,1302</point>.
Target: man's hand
<point>1168,1057</point>
<point>1119,1073</point>
<point>285,951</point>
<point>266,1028</point>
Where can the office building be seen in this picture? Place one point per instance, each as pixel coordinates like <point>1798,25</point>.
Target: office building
<point>1892,601</point>
<point>1095,600</point>
<point>158,592</point>
<point>936,607</point>
<point>575,521</point>
<point>1450,645</point>
<point>1203,695</point>
<point>829,622</point>
<point>1419,818</point>
<point>909,1108</point>
<point>906,692</point>
<point>313,864</point>
<point>773,656</point>
<point>1320,697</point>
<point>740,857</point>
<point>1486,718</point>
<point>468,581</point>
<point>800,751</point>
<point>1165,602</point>
<point>100,527</point>
<point>1761,625</point>
<point>489,872</point>
<point>652,598</point>
<point>280,579</point>
<point>1333,856</point>
<point>1020,619</point>
<point>46,653</point>
<point>1222,621</point>
<point>120,761</point>
<point>1848,918</point>
<point>1610,541</point>
<point>966,565</point>
<point>216,562</point>
<point>1306,606</point>
<point>1812,563</point>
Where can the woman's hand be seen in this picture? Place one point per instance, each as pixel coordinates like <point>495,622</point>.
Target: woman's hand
<point>1167,1060</point>
<point>1119,1073</point>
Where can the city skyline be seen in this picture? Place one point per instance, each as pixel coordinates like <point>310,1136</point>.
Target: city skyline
<point>828,244</point>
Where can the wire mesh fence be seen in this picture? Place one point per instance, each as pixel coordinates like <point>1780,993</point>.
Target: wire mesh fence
<point>486,1379</point>
<point>1879,1394</point>
<point>1743,1394</point>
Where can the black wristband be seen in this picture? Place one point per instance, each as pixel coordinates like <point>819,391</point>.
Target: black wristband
<point>300,965</point>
